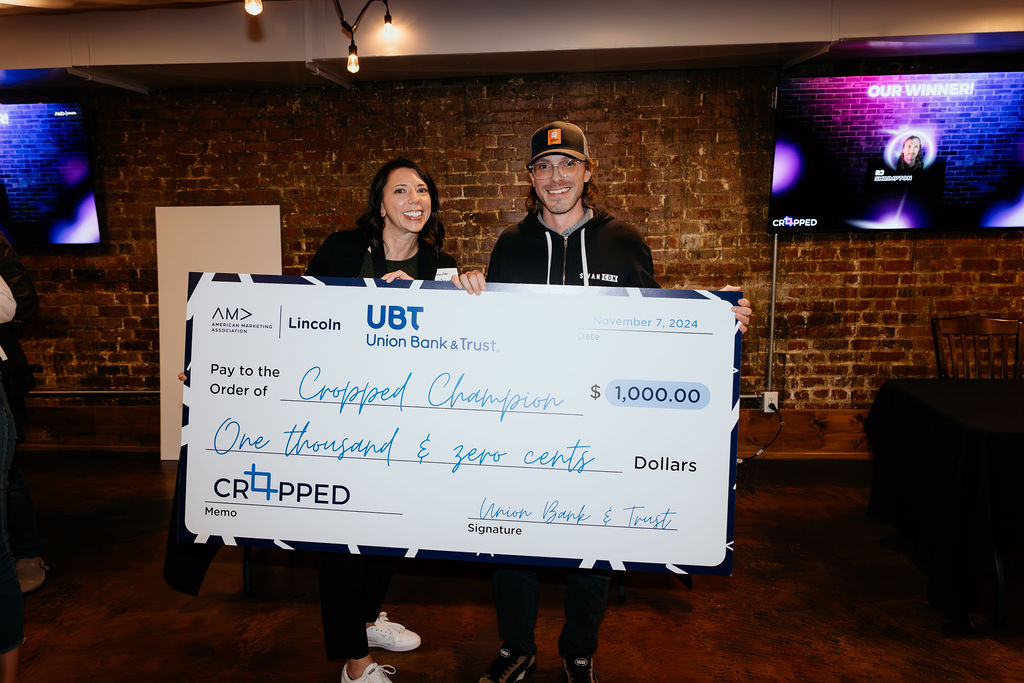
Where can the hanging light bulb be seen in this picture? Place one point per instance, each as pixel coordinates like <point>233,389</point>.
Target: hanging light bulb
<point>350,30</point>
<point>254,7</point>
<point>353,58</point>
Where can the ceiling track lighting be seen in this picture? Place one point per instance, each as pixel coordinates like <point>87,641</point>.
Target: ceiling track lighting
<point>350,30</point>
<point>254,7</point>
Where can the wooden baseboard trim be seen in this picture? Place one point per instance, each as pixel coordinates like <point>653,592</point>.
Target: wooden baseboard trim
<point>806,434</point>
<point>101,428</point>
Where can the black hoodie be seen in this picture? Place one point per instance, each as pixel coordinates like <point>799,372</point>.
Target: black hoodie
<point>615,254</point>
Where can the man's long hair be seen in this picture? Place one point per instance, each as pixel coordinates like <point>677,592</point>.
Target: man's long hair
<point>432,234</point>
<point>902,165</point>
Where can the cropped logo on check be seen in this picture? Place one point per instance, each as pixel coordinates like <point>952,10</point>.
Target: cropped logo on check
<point>258,487</point>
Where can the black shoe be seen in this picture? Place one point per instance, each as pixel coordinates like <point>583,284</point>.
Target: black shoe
<point>508,668</point>
<point>580,670</point>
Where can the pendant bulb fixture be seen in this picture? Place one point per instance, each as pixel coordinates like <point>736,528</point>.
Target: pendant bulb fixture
<point>254,7</point>
<point>353,58</point>
<point>350,30</point>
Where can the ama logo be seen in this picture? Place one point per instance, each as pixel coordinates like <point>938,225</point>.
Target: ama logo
<point>237,314</point>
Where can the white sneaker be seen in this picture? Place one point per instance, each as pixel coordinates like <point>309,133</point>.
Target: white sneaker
<point>375,673</point>
<point>31,573</point>
<point>390,635</point>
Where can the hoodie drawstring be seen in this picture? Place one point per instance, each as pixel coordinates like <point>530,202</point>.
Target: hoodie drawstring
<point>547,234</point>
<point>583,257</point>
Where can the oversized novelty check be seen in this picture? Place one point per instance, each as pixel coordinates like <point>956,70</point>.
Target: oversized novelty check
<point>573,426</point>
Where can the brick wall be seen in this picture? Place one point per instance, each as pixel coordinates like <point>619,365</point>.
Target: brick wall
<point>684,155</point>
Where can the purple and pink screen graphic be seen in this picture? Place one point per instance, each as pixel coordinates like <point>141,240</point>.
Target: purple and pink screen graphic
<point>841,141</point>
<point>46,189</point>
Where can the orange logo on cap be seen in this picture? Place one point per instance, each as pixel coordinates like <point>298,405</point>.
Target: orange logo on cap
<point>555,136</point>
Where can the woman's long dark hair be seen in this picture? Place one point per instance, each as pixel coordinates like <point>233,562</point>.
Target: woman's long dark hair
<point>432,234</point>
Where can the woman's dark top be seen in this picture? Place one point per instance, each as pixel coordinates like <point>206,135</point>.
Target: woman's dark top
<point>342,255</point>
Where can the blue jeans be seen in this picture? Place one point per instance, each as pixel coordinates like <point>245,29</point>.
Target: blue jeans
<point>12,605</point>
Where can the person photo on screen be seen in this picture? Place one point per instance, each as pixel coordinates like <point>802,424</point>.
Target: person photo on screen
<point>563,238</point>
<point>911,157</point>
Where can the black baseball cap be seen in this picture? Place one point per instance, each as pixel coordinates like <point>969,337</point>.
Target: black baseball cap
<point>558,137</point>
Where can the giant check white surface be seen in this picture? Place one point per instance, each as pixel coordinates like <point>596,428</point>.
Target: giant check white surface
<point>577,426</point>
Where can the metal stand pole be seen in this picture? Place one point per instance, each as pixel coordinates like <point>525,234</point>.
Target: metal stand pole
<point>771,313</point>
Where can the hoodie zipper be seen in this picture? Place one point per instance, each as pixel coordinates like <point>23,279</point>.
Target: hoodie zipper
<point>565,251</point>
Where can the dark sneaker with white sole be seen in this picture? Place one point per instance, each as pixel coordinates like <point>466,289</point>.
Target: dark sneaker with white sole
<point>508,668</point>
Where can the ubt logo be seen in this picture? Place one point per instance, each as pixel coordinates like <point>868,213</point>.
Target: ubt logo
<point>396,317</point>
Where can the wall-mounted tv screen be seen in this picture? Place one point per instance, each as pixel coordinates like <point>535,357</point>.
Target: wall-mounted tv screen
<point>908,152</point>
<point>46,185</point>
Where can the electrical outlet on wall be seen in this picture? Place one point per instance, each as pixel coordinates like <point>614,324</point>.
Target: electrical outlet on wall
<point>769,398</point>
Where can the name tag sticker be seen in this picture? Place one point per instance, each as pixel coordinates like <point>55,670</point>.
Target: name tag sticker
<point>445,274</point>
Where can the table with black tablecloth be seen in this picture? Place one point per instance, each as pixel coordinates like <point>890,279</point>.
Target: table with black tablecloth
<point>948,468</point>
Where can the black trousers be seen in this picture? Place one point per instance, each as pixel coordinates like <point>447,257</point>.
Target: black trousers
<point>352,589</point>
<point>515,598</point>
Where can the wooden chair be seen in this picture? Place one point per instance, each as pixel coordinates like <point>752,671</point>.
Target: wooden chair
<point>976,347</point>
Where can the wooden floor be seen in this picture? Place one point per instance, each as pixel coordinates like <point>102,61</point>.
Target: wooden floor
<point>819,592</point>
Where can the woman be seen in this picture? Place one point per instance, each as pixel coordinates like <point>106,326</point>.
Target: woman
<point>400,236</point>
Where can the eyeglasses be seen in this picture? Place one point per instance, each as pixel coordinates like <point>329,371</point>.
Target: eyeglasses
<point>544,169</point>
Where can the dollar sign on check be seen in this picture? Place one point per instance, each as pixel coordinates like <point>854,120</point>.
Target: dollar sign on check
<point>595,392</point>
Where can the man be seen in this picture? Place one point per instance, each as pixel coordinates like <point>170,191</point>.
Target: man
<point>563,240</point>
